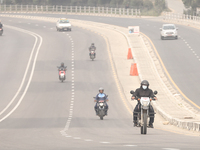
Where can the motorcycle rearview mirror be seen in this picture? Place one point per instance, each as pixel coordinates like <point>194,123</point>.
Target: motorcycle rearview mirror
<point>155,92</point>
<point>131,92</point>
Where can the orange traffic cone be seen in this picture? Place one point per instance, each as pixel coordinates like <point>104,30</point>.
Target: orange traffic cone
<point>129,56</point>
<point>134,71</point>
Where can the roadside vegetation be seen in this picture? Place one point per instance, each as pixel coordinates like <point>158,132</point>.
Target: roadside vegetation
<point>147,7</point>
<point>191,7</point>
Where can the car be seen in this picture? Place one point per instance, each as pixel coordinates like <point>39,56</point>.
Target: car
<point>63,24</point>
<point>169,31</point>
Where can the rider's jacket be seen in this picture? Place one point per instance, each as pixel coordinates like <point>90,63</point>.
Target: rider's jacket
<point>101,96</point>
<point>92,48</point>
<point>140,92</point>
<point>62,68</point>
<point>1,25</point>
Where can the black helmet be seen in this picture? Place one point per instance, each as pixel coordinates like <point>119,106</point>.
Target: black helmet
<point>145,82</point>
<point>92,44</point>
<point>62,64</point>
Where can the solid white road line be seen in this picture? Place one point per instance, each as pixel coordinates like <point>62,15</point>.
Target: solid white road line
<point>27,67</point>
<point>31,74</point>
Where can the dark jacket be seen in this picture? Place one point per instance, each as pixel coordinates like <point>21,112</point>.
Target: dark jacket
<point>140,92</point>
<point>92,48</point>
<point>1,25</point>
<point>62,68</point>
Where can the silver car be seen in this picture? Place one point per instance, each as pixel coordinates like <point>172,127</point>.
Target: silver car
<point>63,24</point>
<point>169,31</point>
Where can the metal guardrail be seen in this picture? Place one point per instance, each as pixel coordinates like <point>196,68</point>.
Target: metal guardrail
<point>182,18</point>
<point>70,9</point>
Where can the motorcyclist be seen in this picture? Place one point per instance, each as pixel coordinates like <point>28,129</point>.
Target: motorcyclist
<point>101,96</point>
<point>92,48</point>
<point>62,67</point>
<point>1,25</point>
<point>143,91</point>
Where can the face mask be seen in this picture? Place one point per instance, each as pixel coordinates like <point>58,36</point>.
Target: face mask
<point>144,87</point>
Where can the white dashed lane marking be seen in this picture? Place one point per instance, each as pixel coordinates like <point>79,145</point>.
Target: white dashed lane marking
<point>70,116</point>
<point>88,140</point>
<point>170,149</point>
<point>195,54</point>
<point>77,138</point>
<point>129,145</point>
<point>104,142</point>
<point>68,136</point>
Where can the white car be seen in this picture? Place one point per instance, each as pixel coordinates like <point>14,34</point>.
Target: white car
<point>169,31</point>
<point>63,24</point>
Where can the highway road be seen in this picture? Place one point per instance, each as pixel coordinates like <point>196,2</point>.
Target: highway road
<point>181,57</point>
<point>55,115</point>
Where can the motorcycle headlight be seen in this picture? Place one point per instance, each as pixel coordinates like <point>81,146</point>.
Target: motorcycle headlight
<point>101,104</point>
<point>145,103</point>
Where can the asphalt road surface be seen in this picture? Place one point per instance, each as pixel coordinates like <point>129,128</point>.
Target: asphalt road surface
<point>50,107</point>
<point>181,57</point>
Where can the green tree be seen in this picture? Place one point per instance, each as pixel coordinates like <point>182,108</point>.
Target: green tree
<point>92,2</point>
<point>148,4</point>
<point>136,4</point>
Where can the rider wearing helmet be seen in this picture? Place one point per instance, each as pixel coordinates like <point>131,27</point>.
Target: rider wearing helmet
<point>101,96</point>
<point>143,91</point>
<point>92,48</point>
<point>62,67</point>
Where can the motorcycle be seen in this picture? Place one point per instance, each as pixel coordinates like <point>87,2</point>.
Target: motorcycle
<point>62,74</point>
<point>101,111</point>
<point>144,115</point>
<point>1,31</point>
<point>92,55</point>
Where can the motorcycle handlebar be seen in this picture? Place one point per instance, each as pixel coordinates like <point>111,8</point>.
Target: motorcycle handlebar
<point>150,99</point>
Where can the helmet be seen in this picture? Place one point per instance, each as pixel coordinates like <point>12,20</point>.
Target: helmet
<point>92,44</point>
<point>62,64</point>
<point>101,89</point>
<point>145,82</point>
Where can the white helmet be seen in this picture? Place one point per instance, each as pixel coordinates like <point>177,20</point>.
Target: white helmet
<point>101,89</point>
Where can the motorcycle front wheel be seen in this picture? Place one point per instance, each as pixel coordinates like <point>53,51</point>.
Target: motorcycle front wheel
<point>144,127</point>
